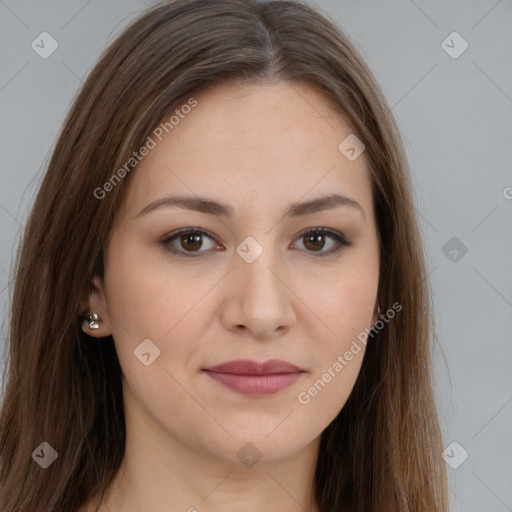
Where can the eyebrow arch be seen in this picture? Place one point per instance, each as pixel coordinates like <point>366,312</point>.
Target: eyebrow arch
<point>212,207</point>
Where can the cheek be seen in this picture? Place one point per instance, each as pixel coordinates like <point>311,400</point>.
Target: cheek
<point>348,313</point>
<point>143,295</point>
<point>344,302</point>
<point>344,305</point>
<point>339,348</point>
<point>148,301</point>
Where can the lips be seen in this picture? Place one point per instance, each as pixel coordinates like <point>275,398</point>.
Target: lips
<point>250,377</point>
<point>250,367</point>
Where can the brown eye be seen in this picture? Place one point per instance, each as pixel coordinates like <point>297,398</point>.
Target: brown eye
<point>188,241</point>
<point>315,240</point>
<point>191,242</point>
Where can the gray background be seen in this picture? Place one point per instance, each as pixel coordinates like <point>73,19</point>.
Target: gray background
<point>455,115</point>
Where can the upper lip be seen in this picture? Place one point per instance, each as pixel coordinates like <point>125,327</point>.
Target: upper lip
<point>251,367</point>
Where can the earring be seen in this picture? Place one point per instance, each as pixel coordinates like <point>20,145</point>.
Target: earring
<point>94,320</point>
<point>373,330</point>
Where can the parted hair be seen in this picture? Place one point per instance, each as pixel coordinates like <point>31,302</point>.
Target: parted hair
<point>382,453</point>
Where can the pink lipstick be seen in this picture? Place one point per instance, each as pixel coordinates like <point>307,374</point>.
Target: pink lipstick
<point>254,378</point>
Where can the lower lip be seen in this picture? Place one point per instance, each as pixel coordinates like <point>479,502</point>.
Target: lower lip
<point>256,384</point>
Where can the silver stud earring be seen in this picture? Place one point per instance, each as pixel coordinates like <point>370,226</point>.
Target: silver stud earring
<point>94,320</point>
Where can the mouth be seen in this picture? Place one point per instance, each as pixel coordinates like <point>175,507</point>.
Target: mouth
<point>251,377</point>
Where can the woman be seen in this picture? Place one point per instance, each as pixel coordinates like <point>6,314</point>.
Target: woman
<point>220,298</point>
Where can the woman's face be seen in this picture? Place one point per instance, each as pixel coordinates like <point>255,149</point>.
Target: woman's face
<point>248,281</point>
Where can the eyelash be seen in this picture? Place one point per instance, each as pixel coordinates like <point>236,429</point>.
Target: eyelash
<point>342,241</point>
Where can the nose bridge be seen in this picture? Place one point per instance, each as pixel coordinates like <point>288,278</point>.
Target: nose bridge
<point>262,297</point>
<point>258,264</point>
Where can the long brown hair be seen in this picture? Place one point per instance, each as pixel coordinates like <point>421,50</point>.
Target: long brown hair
<point>383,451</point>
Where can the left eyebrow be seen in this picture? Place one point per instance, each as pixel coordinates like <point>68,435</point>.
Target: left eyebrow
<point>212,207</point>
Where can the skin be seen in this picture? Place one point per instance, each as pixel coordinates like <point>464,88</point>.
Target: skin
<point>257,148</point>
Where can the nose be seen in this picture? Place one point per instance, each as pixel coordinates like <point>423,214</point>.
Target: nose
<point>258,298</point>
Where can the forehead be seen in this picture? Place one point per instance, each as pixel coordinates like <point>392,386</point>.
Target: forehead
<point>251,143</point>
